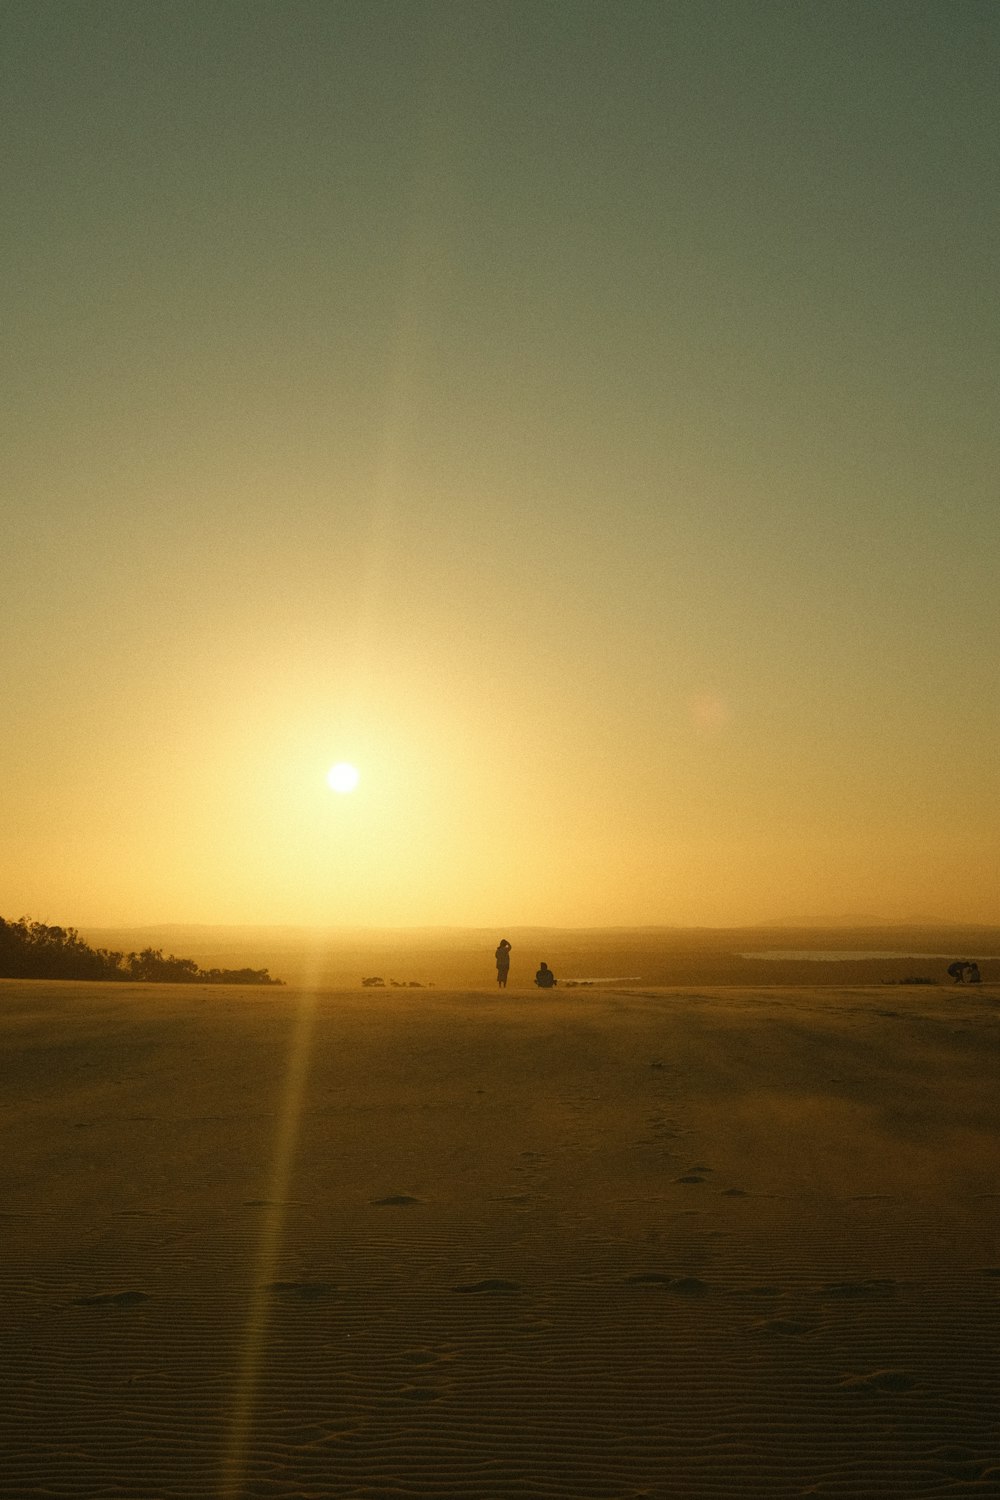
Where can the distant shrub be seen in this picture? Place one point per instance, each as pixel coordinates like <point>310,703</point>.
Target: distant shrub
<point>31,950</point>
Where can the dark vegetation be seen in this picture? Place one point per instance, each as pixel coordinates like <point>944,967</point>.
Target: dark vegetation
<point>31,950</point>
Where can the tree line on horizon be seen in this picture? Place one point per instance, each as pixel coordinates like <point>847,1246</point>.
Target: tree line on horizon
<point>32,950</point>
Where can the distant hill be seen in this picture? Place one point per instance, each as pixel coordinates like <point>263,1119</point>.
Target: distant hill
<point>867,921</point>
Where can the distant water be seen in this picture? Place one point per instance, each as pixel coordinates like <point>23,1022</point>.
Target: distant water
<point>845,955</point>
<point>607,979</point>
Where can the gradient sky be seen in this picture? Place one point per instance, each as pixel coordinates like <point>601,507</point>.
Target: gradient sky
<point>580,416</point>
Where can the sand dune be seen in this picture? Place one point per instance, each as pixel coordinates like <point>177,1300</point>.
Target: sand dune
<point>703,1242</point>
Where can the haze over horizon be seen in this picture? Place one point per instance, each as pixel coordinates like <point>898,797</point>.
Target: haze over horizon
<point>582,420</point>
<point>334,930</point>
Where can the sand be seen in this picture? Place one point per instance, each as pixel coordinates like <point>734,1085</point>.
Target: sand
<point>699,1242</point>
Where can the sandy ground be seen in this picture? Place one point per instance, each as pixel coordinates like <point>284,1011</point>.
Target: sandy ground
<point>447,1244</point>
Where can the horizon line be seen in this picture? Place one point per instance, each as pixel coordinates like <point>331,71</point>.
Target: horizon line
<point>788,923</point>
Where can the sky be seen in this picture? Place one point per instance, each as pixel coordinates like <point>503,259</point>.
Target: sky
<point>580,417</point>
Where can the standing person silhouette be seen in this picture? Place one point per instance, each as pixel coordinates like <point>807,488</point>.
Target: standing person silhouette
<point>503,963</point>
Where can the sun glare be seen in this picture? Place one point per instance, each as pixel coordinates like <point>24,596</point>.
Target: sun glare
<point>343,777</point>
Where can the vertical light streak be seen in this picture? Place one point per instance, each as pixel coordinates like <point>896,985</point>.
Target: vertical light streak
<point>420,298</point>
<point>269,1248</point>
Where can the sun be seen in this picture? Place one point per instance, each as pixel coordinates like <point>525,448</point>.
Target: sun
<point>343,777</point>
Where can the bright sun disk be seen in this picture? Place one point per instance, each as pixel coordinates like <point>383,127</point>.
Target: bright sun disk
<point>343,777</point>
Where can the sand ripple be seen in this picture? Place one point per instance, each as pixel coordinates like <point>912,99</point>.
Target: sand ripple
<point>552,1308</point>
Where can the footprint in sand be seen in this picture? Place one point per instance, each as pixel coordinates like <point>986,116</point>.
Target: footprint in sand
<point>660,1129</point>
<point>734,1193</point>
<point>696,1173</point>
<point>424,1393</point>
<point>112,1299</point>
<point>962,1463</point>
<point>681,1286</point>
<point>395,1200</point>
<point>779,1327</point>
<point>879,1380</point>
<point>273,1203</point>
<point>856,1289</point>
<point>531,1167</point>
<point>689,1286</point>
<point>426,1357</point>
<point>305,1291</point>
<point>493,1284</point>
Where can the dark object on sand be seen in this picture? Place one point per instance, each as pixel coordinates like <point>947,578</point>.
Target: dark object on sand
<point>965,971</point>
<point>545,978</point>
<point>373,980</point>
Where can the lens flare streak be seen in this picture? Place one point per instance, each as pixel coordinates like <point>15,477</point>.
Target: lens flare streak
<point>269,1246</point>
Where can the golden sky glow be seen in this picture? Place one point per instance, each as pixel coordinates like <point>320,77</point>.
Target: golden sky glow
<point>580,419</point>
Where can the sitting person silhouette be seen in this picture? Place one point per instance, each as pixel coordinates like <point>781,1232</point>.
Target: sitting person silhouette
<point>545,978</point>
<point>974,976</point>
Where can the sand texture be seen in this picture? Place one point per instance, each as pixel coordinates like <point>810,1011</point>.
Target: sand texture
<point>461,1246</point>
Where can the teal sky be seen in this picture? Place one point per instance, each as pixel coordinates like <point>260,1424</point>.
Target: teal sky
<point>582,417</point>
